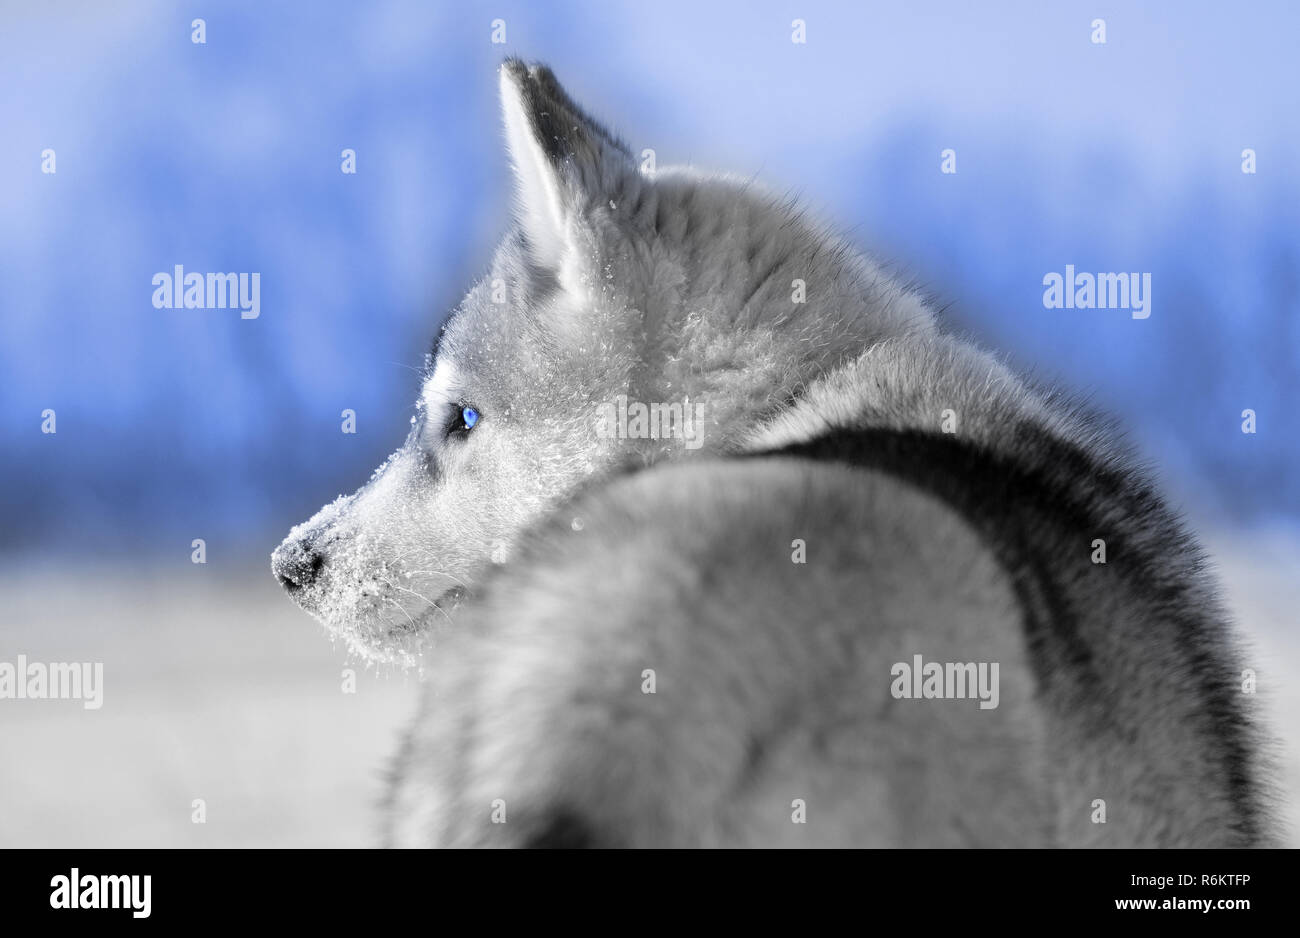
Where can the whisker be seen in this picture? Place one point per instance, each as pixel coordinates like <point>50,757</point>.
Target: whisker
<point>431,603</point>
<point>450,576</point>
<point>414,627</point>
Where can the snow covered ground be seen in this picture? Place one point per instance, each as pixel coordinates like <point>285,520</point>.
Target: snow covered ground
<point>217,688</point>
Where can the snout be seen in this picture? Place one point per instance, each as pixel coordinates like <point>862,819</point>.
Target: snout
<point>296,564</point>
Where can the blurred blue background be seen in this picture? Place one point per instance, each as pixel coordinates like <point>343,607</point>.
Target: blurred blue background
<point>175,424</point>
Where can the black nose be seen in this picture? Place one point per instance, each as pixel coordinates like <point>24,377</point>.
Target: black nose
<point>296,565</point>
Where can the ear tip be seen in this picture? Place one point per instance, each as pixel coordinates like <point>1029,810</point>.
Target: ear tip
<point>518,72</point>
<point>515,69</point>
<point>510,74</point>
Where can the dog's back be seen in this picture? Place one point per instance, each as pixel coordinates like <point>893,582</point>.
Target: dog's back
<point>659,667</point>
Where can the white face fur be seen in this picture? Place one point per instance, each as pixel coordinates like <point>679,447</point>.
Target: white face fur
<point>666,289</point>
<point>497,437</point>
<point>495,440</point>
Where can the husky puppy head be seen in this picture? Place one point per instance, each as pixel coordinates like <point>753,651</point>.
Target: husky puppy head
<point>617,288</point>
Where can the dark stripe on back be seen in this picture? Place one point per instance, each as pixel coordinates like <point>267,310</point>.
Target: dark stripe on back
<point>1038,513</point>
<point>1005,505</point>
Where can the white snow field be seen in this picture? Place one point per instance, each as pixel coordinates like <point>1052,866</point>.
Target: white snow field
<point>215,688</point>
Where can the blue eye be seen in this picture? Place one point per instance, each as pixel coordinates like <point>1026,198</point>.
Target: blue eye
<point>462,419</point>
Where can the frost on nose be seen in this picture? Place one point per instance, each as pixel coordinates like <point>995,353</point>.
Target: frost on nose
<point>348,564</point>
<point>296,564</point>
<point>298,561</point>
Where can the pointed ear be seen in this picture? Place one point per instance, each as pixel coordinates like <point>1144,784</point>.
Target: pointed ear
<point>562,158</point>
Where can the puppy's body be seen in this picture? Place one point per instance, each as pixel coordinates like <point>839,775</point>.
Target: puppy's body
<point>947,509</point>
<point>1118,721</point>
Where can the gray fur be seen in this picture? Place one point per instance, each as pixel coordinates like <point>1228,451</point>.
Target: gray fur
<point>825,421</point>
